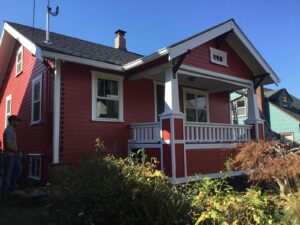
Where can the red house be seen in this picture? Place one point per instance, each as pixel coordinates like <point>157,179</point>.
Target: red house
<point>173,103</point>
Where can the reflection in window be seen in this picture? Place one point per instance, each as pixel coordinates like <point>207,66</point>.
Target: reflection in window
<point>195,107</point>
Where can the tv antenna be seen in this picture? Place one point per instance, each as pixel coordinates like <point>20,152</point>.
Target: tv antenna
<point>49,12</point>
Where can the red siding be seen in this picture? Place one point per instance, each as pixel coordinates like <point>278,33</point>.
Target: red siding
<point>200,57</point>
<point>78,132</point>
<point>202,161</point>
<point>31,139</point>
<point>178,124</point>
<point>219,107</point>
<point>179,154</point>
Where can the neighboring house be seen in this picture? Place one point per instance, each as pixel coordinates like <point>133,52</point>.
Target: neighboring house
<point>175,102</point>
<point>282,111</point>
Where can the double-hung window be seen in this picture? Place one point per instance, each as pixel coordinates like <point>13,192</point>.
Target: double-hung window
<point>7,109</point>
<point>241,107</point>
<point>36,101</point>
<point>196,105</point>
<point>107,97</point>
<point>19,61</point>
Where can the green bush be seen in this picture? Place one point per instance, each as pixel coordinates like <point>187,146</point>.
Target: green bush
<point>215,202</point>
<point>118,191</point>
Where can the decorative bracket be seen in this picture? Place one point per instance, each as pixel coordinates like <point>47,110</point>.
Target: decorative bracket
<point>177,62</point>
<point>258,79</point>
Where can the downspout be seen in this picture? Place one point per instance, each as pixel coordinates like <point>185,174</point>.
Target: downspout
<point>56,111</point>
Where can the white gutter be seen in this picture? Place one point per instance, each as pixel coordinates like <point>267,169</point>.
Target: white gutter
<point>56,111</point>
<point>80,60</point>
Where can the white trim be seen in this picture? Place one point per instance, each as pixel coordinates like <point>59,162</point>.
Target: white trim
<point>195,71</point>
<point>119,79</point>
<point>83,61</point>
<point>146,59</point>
<point>56,111</point>
<point>217,52</point>
<point>208,175</point>
<point>35,50</point>
<point>173,152</point>
<point>210,146</point>
<point>38,79</point>
<point>245,106</point>
<point>196,92</point>
<point>39,166</point>
<point>6,115</point>
<point>20,51</point>
<point>291,133</point>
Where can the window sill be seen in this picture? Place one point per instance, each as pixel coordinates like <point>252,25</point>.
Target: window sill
<point>107,120</point>
<point>37,123</point>
<point>18,74</point>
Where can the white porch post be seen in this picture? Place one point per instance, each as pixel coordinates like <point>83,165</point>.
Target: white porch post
<point>254,115</point>
<point>172,129</point>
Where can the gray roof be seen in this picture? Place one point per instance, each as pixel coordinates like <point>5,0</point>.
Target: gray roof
<point>75,47</point>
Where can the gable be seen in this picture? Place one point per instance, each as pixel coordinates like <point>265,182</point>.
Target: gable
<point>200,57</point>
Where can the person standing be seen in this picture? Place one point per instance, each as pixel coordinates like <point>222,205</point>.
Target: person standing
<point>12,157</point>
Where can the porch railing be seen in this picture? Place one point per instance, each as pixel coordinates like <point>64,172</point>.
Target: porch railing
<point>216,132</point>
<point>145,132</point>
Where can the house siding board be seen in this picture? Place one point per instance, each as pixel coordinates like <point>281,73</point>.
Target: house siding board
<point>31,138</point>
<point>179,154</point>
<point>219,107</point>
<point>79,131</point>
<point>200,57</point>
<point>202,161</point>
<point>281,122</point>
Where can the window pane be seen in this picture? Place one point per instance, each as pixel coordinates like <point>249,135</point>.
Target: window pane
<point>201,102</point>
<point>107,88</point>
<point>36,111</point>
<point>33,171</point>
<point>8,107</point>
<point>36,92</point>
<point>19,57</point>
<point>190,101</point>
<point>241,111</point>
<point>191,115</point>
<point>101,87</point>
<point>202,116</point>
<point>38,168</point>
<point>240,103</point>
<point>107,108</point>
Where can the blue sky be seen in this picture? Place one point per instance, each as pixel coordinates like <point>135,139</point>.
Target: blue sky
<point>273,26</point>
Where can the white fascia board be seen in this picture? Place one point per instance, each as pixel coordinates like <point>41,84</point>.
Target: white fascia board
<point>35,50</point>
<point>143,60</point>
<point>82,61</point>
<point>198,72</point>
<point>200,39</point>
<point>255,53</point>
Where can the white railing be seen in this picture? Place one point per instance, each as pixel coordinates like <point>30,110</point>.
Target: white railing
<point>145,132</point>
<point>216,132</point>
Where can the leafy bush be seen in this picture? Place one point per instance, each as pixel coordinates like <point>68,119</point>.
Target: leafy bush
<point>118,191</point>
<point>292,208</point>
<point>215,202</point>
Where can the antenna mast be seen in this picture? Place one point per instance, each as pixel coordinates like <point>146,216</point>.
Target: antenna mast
<point>49,12</point>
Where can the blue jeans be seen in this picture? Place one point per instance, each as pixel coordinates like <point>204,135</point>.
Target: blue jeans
<point>12,171</point>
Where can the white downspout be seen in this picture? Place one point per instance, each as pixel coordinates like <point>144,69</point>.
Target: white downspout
<point>56,111</point>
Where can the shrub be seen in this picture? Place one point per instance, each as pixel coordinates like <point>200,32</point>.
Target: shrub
<point>215,202</point>
<point>114,191</point>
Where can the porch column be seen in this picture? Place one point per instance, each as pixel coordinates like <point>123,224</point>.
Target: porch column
<point>257,132</point>
<point>172,130</point>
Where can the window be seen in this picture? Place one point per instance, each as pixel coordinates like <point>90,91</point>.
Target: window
<point>35,166</point>
<point>7,109</point>
<point>159,100</point>
<point>287,136</point>
<point>36,100</point>
<point>196,104</point>
<point>19,61</point>
<point>218,57</point>
<point>107,99</point>
<point>241,107</point>
<point>285,102</point>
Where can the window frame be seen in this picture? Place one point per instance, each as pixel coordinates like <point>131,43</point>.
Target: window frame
<point>288,133</point>
<point>246,108</point>
<point>99,75</point>
<point>39,166</point>
<point>20,51</point>
<point>38,79</point>
<point>6,115</point>
<point>214,51</point>
<point>196,92</point>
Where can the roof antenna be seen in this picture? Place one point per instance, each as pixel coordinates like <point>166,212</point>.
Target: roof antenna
<point>49,11</point>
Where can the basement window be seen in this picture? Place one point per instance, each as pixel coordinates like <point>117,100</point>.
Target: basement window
<point>35,162</point>
<point>19,61</point>
<point>218,57</point>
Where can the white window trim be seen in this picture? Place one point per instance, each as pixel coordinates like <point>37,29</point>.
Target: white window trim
<point>95,76</point>
<point>196,91</point>
<point>20,50</point>
<point>155,95</point>
<point>288,133</point>
<point>36,80</point>
<point>8,98</point>
<point>246,108</point>
<point>223,54</point>
<point>36,156</point>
